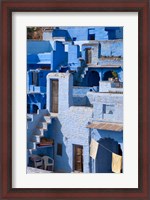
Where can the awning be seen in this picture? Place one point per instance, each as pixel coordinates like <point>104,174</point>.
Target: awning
<point>106,126</point>
<point>103,66</point>
<point>110,66</point>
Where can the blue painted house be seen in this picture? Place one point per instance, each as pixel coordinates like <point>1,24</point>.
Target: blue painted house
<point>42,58</point>
<point>75,95</point>
<point>36,89</point>
<point>78,115</point>
<point>81,33</point>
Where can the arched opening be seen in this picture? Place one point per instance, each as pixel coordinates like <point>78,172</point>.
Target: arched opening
<point>110,74</point>
<point>104,155</point>
<point>34,108</point>
<point>93,78</point>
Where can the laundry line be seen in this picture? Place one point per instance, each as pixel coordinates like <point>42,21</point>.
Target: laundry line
<point>106,148</point>
<point>94,148</point>
<point>116,159</point>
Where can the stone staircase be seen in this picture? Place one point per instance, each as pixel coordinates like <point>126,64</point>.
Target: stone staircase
<point>38,130</point>
<point>83,74</point>
<point>82,71</point>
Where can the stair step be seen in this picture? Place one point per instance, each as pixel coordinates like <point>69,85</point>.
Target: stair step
<point>31,145</point>
<point>39,131</point>
<point>47,119</point>
<point>42,125</point>
<point>35,134</point>
<point>36,138</point>
<point>30,151</point>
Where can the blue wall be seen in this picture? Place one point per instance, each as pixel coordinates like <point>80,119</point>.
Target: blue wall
<point>81,33</point>
<point>38,46</point>
<point>59,56</point>
<point>41,80</point>
<point>114,32</point>
<point>101,33</point>
<point>69,134</point>
<point>112,48</point>
<point>74,132</point>
<point>61,33</point>
<point>99,100</point>
<point>73,53</point>
<point>36,95</point>
<point>35,101</point>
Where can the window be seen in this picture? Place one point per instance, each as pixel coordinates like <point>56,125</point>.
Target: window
<point>59,149</point>
<point>91,34</point>
<point>74,38</point>
<point>108,109</point>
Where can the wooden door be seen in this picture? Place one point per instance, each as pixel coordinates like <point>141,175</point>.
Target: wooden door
<point>88,55</point>
<point>54,99</point>
<point>78,158</point>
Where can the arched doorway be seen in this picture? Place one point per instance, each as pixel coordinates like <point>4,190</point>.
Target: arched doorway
<point>93,78</point>
<point>110,74</point>
<point>104,154</point>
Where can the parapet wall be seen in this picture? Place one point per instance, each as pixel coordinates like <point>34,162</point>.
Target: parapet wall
<point>110,86</point>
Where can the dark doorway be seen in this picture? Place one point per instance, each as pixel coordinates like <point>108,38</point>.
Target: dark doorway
<point>35,78</point>
<point>93,79</point>
<point>54,98</point>
<point>28,108</point>
<point>104,155</point>
<point>88,55</point>
<point>34,108</point>
<point>78,158</point>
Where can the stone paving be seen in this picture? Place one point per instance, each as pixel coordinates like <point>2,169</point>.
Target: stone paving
<point>32,170</point>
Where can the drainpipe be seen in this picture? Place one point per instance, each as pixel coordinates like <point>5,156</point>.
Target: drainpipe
<point>48,95</point>
<point>90,159</point>
<point>92,163</point>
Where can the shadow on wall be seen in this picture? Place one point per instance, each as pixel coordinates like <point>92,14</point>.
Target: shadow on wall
<point>61,158</point>
<point>32,108</point>
<point>117,136</point>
